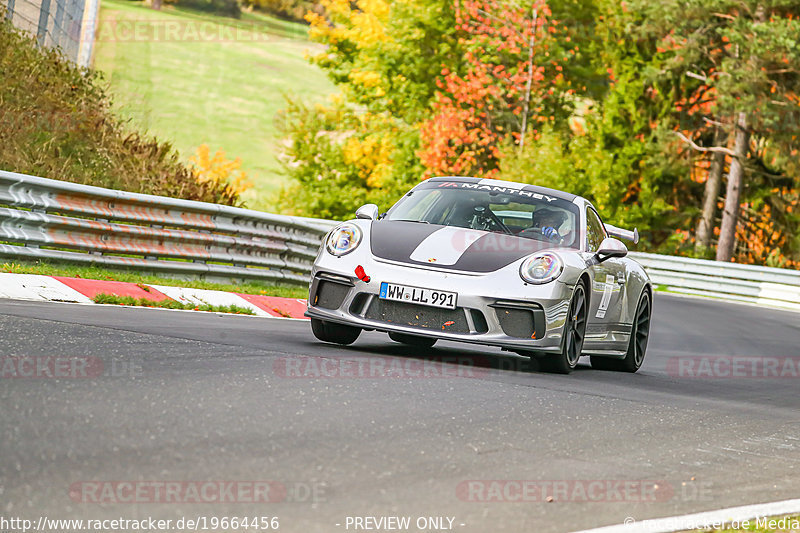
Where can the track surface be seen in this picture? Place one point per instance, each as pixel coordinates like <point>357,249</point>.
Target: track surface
<point>206,403</point>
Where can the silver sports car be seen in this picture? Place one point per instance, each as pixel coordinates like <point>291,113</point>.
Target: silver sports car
<point>528,269</point>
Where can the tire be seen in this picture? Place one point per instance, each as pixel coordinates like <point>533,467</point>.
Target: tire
<point>412,340</point>
<point>335,333</point>
<point>637,346</point>
<point>574,334</point>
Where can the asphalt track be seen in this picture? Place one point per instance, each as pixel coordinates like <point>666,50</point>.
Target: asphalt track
<point>202,397</point>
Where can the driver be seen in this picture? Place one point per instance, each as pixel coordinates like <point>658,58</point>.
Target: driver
<point>549,220</point>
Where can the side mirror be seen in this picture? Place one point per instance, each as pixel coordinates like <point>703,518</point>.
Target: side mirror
<point>367,212</point>
<point>611,247</point>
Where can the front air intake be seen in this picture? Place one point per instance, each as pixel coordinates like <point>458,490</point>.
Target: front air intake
<point>329,292</point>
<point>520,320</point>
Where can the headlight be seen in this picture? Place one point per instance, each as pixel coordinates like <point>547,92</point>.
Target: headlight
<point>541,268</point>
<point>343,240</point>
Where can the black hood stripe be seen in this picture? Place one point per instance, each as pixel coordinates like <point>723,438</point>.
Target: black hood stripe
<point>397,240</point>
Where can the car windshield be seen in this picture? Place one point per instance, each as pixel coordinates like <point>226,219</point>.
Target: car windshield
<point>498,209</point>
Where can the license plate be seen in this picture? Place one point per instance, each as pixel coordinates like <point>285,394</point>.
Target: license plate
<point>417,295</point>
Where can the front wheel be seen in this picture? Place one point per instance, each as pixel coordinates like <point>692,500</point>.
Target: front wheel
<point>412,340</point>
<point>335,333</point>
<point>637,346</point>
<point>574,333</point>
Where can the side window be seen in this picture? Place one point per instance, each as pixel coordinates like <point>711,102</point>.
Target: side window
<point>595,232</point>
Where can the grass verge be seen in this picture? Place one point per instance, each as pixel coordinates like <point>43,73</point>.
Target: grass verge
<point>113,299</point>
<point>92,272</point>
<point>213,80</point>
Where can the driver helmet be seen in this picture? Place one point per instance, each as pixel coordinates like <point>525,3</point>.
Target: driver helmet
<point>549,217</point>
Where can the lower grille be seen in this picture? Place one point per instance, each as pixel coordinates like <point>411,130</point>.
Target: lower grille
<point>418,316</point>
<point>330,294</point>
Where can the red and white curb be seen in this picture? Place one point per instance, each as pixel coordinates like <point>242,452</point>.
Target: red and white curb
<point>79,290</point>
<point>733,517</point>
<point>39,288</point>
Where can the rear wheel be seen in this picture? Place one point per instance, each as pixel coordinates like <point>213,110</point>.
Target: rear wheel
<point>412,340</point>
<point>335,333</point>
<point>574,333</point>
<point>637,346</point>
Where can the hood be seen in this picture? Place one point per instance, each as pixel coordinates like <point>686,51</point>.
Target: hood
<point>448,247</point>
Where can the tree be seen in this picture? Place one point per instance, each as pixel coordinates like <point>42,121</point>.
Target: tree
<point>387,56</point>
<point>361,147</point>
<point>632,104</point>
<point>619,149</point>
<point>514,78</point>
<point>746,55</point>
<point>705,227</point>
<point>341,157</point>
<point>730,215</point>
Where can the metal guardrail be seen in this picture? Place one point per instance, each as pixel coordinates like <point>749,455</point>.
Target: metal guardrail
<point>745,283</point>
<point>66,222</point>
<point>61,221</point>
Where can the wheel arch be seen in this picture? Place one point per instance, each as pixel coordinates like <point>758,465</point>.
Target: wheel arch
<point>586,279</point>
<point>646,288</point>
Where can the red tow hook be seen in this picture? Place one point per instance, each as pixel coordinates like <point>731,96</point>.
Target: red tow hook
<point>361,274</point>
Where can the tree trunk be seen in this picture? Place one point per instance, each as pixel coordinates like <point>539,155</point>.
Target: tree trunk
<point>156,4</point>
<point>730,214</point>
<point>706,225</point>
<point>529,81</point>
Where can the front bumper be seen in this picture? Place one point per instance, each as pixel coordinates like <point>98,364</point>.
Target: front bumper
<point>494,309</point>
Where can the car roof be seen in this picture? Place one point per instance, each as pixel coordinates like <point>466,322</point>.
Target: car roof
<point>508,184</point>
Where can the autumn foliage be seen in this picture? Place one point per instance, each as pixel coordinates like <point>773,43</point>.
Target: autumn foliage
<point>615,101</point>
<point>738,61</point>
<point>502,92</point>
<point>219,171</point>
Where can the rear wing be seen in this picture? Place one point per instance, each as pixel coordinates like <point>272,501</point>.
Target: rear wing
<point>620,233</point>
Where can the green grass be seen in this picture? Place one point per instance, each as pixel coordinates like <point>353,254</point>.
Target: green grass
<point>91,272</point>
<point>113,299</point>
<point>221,92</point>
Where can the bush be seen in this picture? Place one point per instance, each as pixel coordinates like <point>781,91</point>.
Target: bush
<point>339,159</point>
<point>56,123</point>
<point>219,170</point>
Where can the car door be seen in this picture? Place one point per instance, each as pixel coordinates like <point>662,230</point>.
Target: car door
<point>608,290</point>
